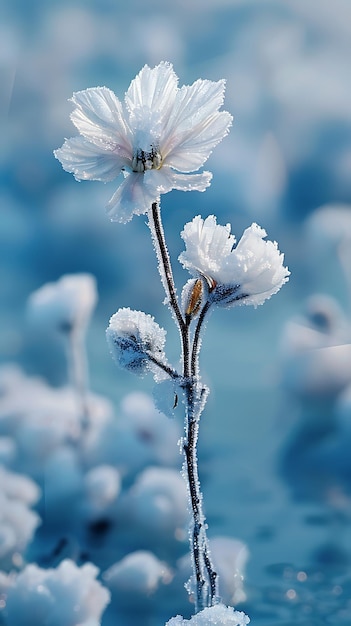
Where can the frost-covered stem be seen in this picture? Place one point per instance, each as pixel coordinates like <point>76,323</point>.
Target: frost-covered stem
<point>196,340</point>
<point>172,373</point>
<point>78,372</point>
<point>165,269</point>
<point>205,576</point>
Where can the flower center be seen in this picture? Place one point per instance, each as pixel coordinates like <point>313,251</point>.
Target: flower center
<point>143,160</point>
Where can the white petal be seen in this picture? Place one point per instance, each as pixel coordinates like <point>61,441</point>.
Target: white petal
<point>87,161</point>
<point>256,265</point>
<point>99,118</point>
<point>207,246</point>
<point>165,179</point>
<point>153,90</point>
<point>159,181</point>
<point>195,126</point>
<point>132,197</point>
<point>191,182</point>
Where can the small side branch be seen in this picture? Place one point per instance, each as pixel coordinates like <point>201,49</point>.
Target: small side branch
<point>196,340</point>
<point>172,373</point>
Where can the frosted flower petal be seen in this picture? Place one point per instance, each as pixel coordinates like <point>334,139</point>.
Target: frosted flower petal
<point>153,90</point>
<point>195,125</point>
<point>100,118</point>
<point>89,162</point>
<point>132,197</point>
<point>157,137</point>
<point>248,273</point>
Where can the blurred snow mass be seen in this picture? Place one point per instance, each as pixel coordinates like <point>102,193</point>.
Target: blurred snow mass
<point>218,615</point>
<point>66,596</point>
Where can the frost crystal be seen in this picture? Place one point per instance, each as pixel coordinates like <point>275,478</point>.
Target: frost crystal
<point>247,273</point>
<point>217,615</point>
<point>136,341</point>
<point>156,138</point>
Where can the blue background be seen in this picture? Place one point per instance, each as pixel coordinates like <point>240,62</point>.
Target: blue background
<point>287,66</point>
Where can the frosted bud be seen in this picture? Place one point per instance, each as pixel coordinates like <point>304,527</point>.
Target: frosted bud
<point>136,341</point>
<point>65,304</point>
<point>192,297</point>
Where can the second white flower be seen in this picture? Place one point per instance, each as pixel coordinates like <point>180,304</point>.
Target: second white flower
<point>247,273</point>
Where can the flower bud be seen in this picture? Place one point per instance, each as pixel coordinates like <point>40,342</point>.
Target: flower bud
<point>136,341</point>
<point>192,297</point>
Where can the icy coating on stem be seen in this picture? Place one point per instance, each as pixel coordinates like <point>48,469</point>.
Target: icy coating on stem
<point>155,138</point>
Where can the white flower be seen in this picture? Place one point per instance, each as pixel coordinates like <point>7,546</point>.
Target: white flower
<point>247,273</point>
<point>135,339</point>
<point>155,138</point>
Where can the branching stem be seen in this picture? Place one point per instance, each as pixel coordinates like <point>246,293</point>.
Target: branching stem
<point>204,574</point>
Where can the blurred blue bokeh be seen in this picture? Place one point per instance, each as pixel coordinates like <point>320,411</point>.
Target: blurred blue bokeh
<point>287,66</point>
